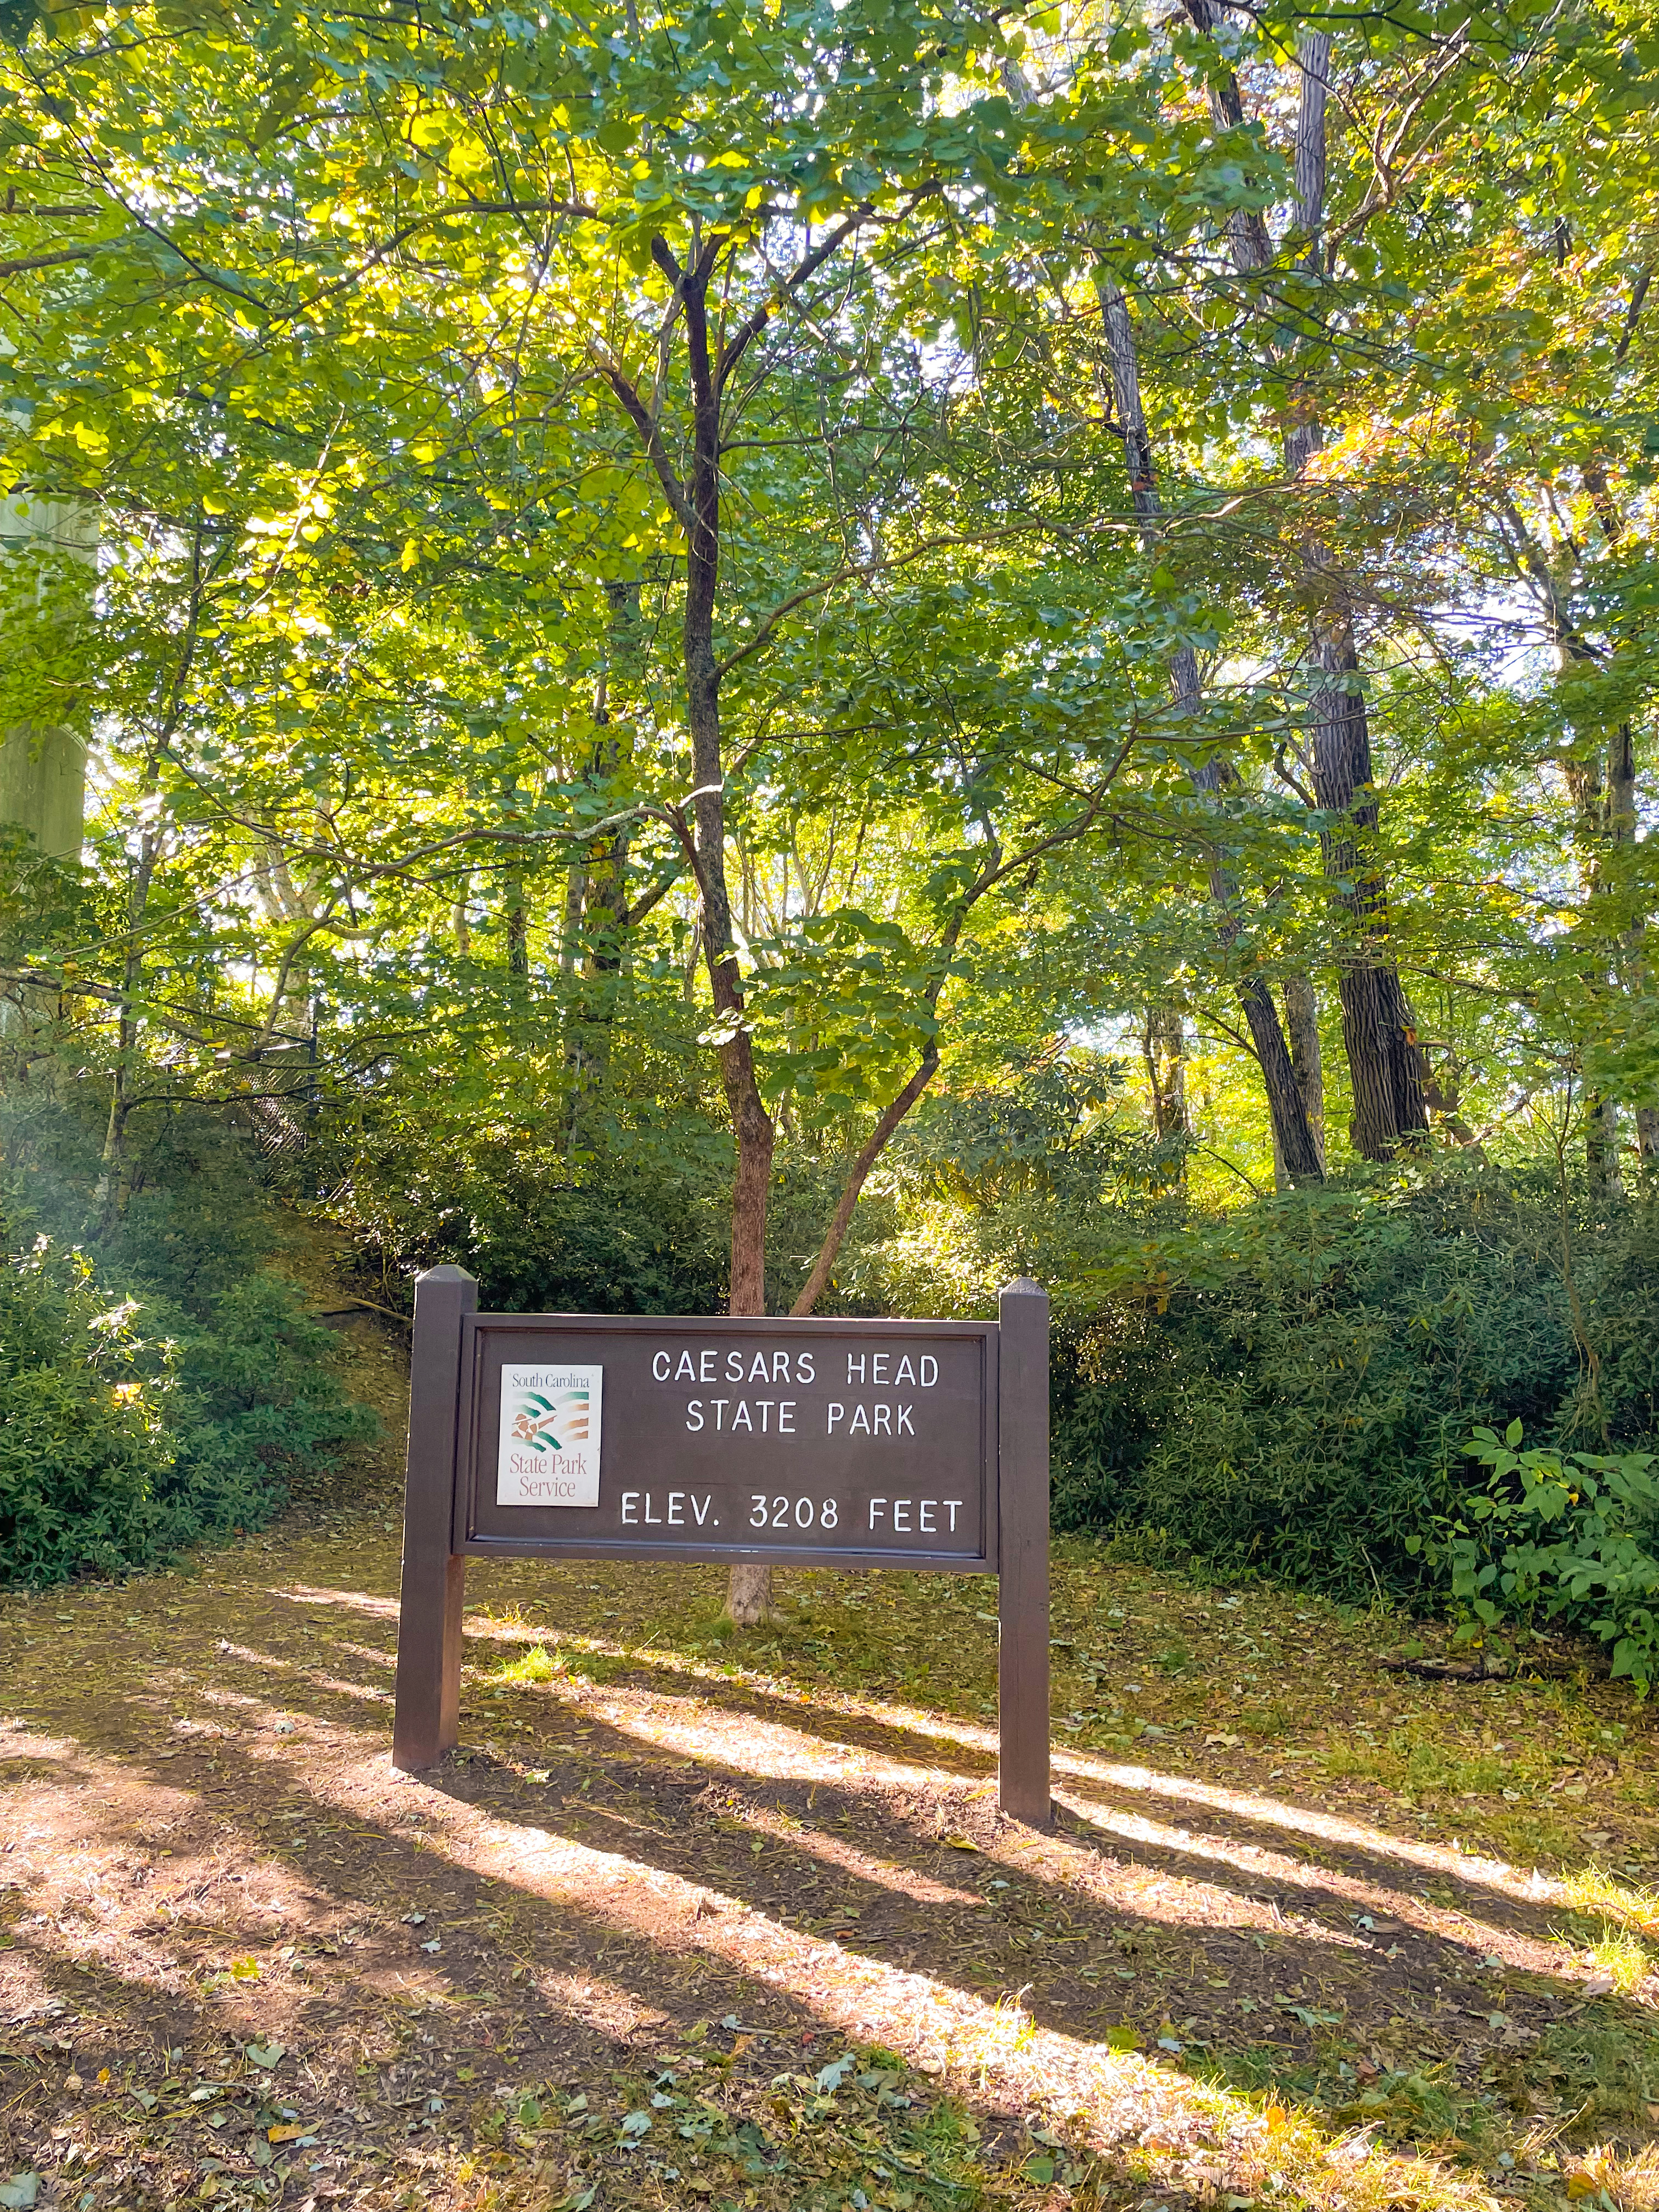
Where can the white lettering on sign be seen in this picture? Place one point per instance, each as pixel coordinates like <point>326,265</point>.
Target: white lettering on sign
<point>924,1375</point>
<point>766,1512</point>
<point>548,1449</point>
<point>640,1508</point>
<point>896,1513</point>
<point>881,1420</point>
<point>752,1366</point>
<point>775,1365</point>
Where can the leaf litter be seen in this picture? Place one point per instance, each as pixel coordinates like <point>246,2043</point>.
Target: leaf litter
<point>691,1919</point>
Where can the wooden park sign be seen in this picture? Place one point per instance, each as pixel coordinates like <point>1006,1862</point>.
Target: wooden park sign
<point>845,1443</point>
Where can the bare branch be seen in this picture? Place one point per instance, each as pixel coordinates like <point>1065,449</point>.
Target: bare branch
<point>47,260</point>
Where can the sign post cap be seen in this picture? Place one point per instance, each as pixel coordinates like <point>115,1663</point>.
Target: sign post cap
<point>1023,1286</point>
<point>445,1274</point>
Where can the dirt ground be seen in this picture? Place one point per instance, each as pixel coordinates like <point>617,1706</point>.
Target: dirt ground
<point>696,1920</point>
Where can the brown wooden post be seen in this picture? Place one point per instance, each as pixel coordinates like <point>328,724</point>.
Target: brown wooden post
<point>427,1719</point>
<point>1022,1785</point>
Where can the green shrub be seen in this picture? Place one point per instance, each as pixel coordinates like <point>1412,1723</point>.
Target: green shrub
<point>256,1407</point>
<point>83,1447</point>
<point>617,1236</point>
<point>116,1451</point>
<point>1300,1407</point>
<point>1571,1537</point>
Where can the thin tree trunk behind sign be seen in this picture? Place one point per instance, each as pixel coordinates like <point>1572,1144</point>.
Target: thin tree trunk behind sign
<point>749,1590</point>
<point>1163,1047</point>
<point>1379,1032</point>
<point>1301,1022</point>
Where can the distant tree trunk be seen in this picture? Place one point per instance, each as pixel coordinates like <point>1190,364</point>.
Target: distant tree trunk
<point>1164,1049</point>
<point>598,919</point>
<point>518,927</point>
<point>570,929</point>
<point>1379,1035</point>
<point>1302,1026</point>
<point>1379,1031</point>
<point>1292,1138</point>
<point>515,912</point>
<point>1601,1145</point>
<point>1301,1020</point>
<point>113,1188</point>
<point>43,763</point>
<point>1620,831</point>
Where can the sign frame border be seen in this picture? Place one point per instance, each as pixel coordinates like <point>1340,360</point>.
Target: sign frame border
<point>471,1470</point>
<point>438,1489</point>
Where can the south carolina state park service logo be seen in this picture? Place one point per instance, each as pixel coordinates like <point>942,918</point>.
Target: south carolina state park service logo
<point>549,1452</point>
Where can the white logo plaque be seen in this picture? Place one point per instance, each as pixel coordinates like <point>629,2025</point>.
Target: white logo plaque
<point>549,1452</point>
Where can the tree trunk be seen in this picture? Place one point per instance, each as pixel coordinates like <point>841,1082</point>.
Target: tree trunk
<point>1163,1047</point>
<point>518,927</point>
<point>1301,1020</point>
<point>1293,1140</point>
<point>1378,1032</point>
<point>1302,1027</point>
<point>597,932</point>
<point>43,765</point>
<point>1601,1145</point>
<point>114,1189</point>
<point>1603,785</point>
<point>749,1590</point>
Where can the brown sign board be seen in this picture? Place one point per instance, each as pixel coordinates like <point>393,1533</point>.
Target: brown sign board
<point>874,1442</point>
<point>835,1442</point>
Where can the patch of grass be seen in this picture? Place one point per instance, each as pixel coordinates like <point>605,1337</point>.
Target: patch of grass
<point>1618,1954</point>
<point>539,1664</point>
<point>1602,2069</point>
<point>1268,1723</point>
<point>1628,2180</point>
<point>1593,1890</point>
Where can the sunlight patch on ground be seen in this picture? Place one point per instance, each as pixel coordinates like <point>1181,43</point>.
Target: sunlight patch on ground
<point>1125,2100</point>
<point>1530,1888</point>
<point>381,1608</point>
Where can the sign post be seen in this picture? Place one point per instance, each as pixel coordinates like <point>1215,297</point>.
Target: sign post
<point>848,1444</point>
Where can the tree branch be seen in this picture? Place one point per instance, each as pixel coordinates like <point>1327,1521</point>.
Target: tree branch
<point>749,330</point>
<point>863,569</point>
<point>650,438</point>
<point>47,260</point>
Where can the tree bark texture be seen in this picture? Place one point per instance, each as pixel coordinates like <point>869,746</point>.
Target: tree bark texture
<point>751,1124</point>
<point>1301,1020</point>
<point>1379,1032</point>
<point>1602,781</point>
<point>518,927</point>
<point>749,1589</point>
<point>596,932</point>
<point>1163,1045</point>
